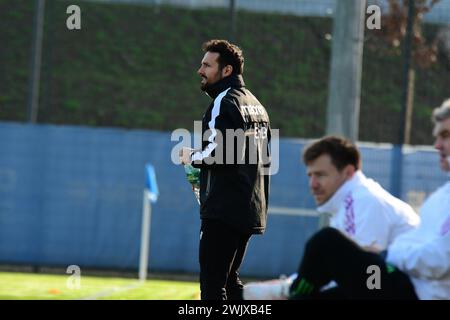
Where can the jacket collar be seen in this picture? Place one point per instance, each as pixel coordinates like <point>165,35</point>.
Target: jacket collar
<point>333,205</point>
<point>233,81</point>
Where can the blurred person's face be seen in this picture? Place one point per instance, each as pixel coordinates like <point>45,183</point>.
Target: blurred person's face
<point>325,179</point>
<point>210,71</point>
<point>441,132</point>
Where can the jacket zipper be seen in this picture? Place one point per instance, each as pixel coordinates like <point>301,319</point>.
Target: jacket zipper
<point>208,183</point>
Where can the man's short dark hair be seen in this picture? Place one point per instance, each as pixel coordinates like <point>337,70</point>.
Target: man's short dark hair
<point>341,151</point>
<point>229,54</point>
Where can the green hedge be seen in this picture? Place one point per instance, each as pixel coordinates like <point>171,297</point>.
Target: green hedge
<point>135,67</point>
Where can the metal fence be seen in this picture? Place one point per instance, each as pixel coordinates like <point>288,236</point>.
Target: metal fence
<point>133,65</point>
<point>312,8</point>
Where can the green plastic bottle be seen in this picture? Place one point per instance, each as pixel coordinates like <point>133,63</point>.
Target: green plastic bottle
<point>193,176</point>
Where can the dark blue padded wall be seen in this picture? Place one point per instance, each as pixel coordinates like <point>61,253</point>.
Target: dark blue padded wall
<point>73,195</point>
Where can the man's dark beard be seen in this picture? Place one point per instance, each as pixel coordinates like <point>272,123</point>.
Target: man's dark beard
<point>206,86</point>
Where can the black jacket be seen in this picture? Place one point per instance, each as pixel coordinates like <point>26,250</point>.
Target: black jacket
<point>234,178</point>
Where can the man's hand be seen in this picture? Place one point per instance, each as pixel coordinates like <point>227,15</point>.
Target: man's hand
<point>185,155</point>
<point>373,247</point>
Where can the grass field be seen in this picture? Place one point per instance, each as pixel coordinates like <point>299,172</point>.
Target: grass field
<point>20,286</point>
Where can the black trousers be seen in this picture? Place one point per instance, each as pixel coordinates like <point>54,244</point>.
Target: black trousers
<point>329,255</point>
<point>222,250</point>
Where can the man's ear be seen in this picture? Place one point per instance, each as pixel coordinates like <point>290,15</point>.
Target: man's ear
<point>227,70</point>
<point>349,171</point>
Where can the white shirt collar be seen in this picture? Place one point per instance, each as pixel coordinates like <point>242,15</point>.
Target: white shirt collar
<point>333,204</point>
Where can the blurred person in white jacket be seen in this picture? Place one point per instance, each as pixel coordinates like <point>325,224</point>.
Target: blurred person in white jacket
<point>424,254</point>
<point>358,206</point>
<point>416,265</point>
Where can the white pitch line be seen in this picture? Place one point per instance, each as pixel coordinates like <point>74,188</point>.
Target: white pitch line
<point>108,292</point>
<point>293,211</point>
